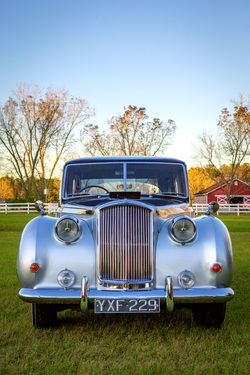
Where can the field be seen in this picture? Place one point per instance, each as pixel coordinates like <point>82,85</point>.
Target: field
<point>101,344</point>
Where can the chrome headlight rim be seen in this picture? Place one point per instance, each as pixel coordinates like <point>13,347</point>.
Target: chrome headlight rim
<point>187,234</point>
<point>186,279</point>
<point>66,278</point>
<point>72,229</point>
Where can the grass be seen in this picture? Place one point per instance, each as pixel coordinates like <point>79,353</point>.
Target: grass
<point>122,344</point>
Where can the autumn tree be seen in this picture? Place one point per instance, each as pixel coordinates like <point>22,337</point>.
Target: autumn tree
<point>54,190</point>
<point>36,130</point>
<point>244,172</point>
<point>221,155</point>
<point>11,189</point>
<point>129,134</point>
<point>6,189</point>
<point>198,180</point>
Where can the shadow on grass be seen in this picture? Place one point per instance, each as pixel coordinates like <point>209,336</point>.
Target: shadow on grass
<point>140,323</point>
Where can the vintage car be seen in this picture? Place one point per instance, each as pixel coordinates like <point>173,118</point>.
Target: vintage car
<point>125,240</point>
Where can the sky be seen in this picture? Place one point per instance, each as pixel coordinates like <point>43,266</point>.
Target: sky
<point>183,60</point>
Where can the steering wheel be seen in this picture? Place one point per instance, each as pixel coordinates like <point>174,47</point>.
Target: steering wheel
<point>94,186</point>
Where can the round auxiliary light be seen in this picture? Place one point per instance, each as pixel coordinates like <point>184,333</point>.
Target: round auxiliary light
<point>183,229</point>
<point>186,279</point>
<point>68,229</point>
<point>66,278</point>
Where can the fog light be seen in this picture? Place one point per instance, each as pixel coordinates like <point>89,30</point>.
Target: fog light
<point>66,278</point>
<point>186,279</point>
<point>216,267</point>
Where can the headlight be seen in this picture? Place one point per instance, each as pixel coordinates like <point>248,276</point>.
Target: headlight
<point>183,229</point>
<point>68,229</point>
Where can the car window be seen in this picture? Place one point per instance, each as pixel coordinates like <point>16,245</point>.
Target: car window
<point>156,178</point>
<point>85,177</point>
<point>146,178</point>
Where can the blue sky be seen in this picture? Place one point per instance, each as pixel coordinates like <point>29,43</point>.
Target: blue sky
<point>181,59</point>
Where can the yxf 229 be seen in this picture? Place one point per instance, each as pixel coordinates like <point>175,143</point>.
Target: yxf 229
<point>145,305</point>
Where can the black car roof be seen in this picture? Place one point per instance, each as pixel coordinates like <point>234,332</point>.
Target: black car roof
<point>110,159</point>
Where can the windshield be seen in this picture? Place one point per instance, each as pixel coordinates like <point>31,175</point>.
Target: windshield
<point>146,178</point>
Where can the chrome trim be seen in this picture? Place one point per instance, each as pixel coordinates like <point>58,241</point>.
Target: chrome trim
<point>125,242</point>
<point>61,296</point>
<point>126,285</point>
<point>173,223</point>
<point>169,294</point>
<point>39,206</point>
<point>71,296</point>
<point>59,278</point>
<point>203,295</point>
<point>76,221</point>
<point>84,294</point>
<point>124,176</point>
<point>124,163</point>
<point>128,202</point>
<point>212,208</point>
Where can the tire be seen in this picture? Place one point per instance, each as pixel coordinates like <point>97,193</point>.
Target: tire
<point>44,316</point>
<point>209,314</point>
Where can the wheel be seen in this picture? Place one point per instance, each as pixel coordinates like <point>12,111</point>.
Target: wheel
<point>44,316</point>
<point>94,186</point>
<point>209,314</point>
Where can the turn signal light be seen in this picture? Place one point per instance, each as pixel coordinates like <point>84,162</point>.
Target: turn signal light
<point>216,267</point>
<point>34,267</point>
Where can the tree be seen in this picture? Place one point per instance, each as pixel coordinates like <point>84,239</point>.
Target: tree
<point>221,155</point>
<point>54,190</point>
<point>129,134</point>
<point>244,172</point>
<point>6,190</point>
<point>36,130</point>
<point>11,189</point>
<point>197,180</point>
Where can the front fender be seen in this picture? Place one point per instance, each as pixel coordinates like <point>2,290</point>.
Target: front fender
<point>211,245</point>
<point>39,244</point>
<point>27,253</point>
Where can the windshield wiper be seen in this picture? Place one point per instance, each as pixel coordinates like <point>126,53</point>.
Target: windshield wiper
<point>79,195</point>
<point>75,194</point>
<point>173,194</point>
<point>165,195</point>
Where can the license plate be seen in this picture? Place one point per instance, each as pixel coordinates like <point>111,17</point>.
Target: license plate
<point>142,305</point>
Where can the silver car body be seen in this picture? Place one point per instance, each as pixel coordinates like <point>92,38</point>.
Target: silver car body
<point>125,249</point>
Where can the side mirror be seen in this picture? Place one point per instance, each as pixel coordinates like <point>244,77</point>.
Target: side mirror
<point>212,208</point>
<point>39,206</point>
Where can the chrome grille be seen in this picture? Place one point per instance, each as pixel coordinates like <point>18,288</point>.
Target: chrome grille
<point>125,243</point>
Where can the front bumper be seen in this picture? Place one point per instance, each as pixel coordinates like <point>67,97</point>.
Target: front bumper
<point>168,296</point>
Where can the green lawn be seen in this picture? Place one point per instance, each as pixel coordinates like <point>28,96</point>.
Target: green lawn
<point>123,344</point>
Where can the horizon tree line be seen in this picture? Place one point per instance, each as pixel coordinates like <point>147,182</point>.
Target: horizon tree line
<point>39,130</point>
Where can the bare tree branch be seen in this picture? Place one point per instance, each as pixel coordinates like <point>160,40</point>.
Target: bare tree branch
<point>222,154</point>
<point>129,134</point>
<point>36,130</point>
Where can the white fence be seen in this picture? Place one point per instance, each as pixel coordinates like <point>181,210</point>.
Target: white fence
<point>225,208</point>
<point>9,208</point>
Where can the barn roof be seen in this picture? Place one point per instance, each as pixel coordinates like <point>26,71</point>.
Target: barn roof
<point>217,186</point>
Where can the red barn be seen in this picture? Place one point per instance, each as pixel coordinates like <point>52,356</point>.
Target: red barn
<point>240,193</point>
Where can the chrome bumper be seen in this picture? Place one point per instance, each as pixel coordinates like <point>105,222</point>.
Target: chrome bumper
<point>168,296</point>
